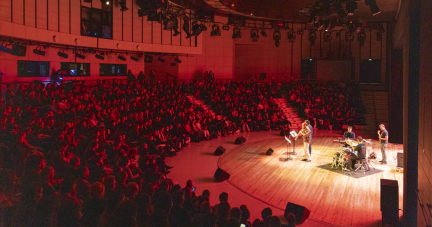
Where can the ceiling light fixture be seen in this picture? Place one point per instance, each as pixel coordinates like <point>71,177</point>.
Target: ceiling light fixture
<point>254,35</point>
<point>276,37</point>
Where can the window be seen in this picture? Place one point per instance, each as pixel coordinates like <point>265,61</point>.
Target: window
<point>113,69</point>
<point>97,22</point>
<point>75,69</point>
<point>33,69</point>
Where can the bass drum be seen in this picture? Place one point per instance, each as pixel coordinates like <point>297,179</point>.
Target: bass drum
<point>336,160</point>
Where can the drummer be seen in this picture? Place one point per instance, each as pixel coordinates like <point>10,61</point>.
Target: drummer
<point>359,151</point>
<point>349,134</point>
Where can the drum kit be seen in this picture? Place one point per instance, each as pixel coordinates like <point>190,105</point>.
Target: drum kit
<point>340,158</point>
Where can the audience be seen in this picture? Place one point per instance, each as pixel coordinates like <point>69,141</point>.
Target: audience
<point>77,155</point>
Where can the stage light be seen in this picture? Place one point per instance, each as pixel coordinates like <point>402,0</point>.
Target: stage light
<point>225,27</point>
<point>349,37</point>
<point>373,7</point>
<point>39,52</point>
<point>186,28</point>
<point>351,7</point>
<point>276,37</point>
<point>123,6</point>
<point>19,49</point>
<point>161,59</point>
<point>254,35</point>
<point>263,33</point>
<point>236,33</point>
<point>361,37</point>
<point>312,38</point>
<point>177,60</point>
<point>106,2</point>
<point>370,59</point>
<point>100,57</point>
<point>197,28</point>
<point>291,36</point>
<point>78,55</point>
<point>215,30</point>
<point>121,58</point>
<point>327,37</point>
<point>63,55</point>
<point>168,23</point>
<point>133,58</point>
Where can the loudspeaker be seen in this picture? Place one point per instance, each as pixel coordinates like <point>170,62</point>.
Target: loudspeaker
<point>400,159</point>
<point>390,202</point>
<point>221,175</point>
<point>219,151</point>
<point>269,151</point>
<point>301,213</point>
<point>240,140</point>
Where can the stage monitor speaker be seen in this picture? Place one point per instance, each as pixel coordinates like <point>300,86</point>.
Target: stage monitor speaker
<point>301,213</point>
<point>400,160</point>
<point>390,202</point>
<point>269,151</point>
<point>240,140</point>
<point>219,151</point>
<point>221,175</point>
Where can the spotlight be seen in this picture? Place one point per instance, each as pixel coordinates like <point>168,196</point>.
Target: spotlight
<point>168,23</point>
<point>349,37</point>
<point>254,35</point>
<point>106,2</point>
<point>373,7</point>
<point>19,49</point>
<point>123,6</point>
<point>148,59</point>
<point>39,52</point>
<point>339,10</point>
<point>121,58</point>
<point>330,25</point>
<point>291,36</point>
<point>361,37</point>
<point>327,37</point>
<point>215,30</point>
<point>312,38</point>
<point>63,55</point>
<point>197,28</point>
<point>133,58</point>
<point>78,55</point>
<point>161,59</point>
<point>186,28</point>
<point>177,60</point>
<point>225,27</point>
<point>351,7</point>
<point>276,37</point>
<point>263,33</point>
<point>236,33</point>
<point>100,57</point>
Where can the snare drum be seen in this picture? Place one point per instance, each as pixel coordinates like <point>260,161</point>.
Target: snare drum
<point>336,160</point>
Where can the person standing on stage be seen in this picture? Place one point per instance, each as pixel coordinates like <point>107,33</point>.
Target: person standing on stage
<point>349,134</point>
<point>383,138</point>
<point>311,133</point>
<point>305,132</point>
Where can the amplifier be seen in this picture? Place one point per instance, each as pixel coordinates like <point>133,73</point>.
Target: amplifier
<point>400,159</point>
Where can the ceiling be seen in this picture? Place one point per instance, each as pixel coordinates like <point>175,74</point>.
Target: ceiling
<point>287,10</point>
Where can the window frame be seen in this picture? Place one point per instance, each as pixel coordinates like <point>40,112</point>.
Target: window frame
<point>97,25</point>
<point>117,67</point>
<point>66,72</point>
<point>37,68</point>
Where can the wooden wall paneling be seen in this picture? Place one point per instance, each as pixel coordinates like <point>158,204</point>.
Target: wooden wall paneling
<point>42,14</point>
<point>64,16</point>
<point>53,15</point>
<point>147,30</point>
<point>157,31</point>
<point>5,10</point>
<point>75,17</point>
<point>30,9</point>
<point>18,11</point>
<point>127,21</point>
<point>117,24</point>
<point>137,24</point>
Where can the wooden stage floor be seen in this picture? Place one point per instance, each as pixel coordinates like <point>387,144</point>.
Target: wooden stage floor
<point>334,198</point>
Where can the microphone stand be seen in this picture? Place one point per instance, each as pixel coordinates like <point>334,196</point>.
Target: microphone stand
<point>288,153</point>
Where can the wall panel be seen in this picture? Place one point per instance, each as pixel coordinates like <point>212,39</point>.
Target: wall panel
<point>137,24</point>
<point>42,14</point>
<point>30,14</point>
<point>53,15</point>
<point>75,19</point>
<point>157,33</point>
<point>127,22</point>
<point>64,16</point>
<point>18,12</point>
<point>5,10</point>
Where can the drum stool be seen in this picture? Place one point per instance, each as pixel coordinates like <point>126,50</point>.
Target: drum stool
<point>362,163</point>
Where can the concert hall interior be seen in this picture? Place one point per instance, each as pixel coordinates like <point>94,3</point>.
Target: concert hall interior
<point>215,113</point>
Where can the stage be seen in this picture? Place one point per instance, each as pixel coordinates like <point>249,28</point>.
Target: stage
<point>259,181</point>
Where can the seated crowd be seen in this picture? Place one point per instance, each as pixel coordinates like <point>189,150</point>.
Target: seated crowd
<point>248,106</point>
<point>327,105</point>
<point>76,155</point>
